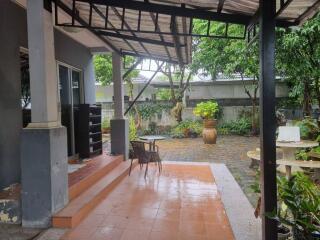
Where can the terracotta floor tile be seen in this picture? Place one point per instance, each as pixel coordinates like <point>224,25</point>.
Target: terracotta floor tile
<point>180,204</point>
<point>165,225</point>
<point>133,234</point>
<point>115,221</point>
<point>163,235</point>
<point>107,233</point>
<point>168,214</point>
<point>193,227</point>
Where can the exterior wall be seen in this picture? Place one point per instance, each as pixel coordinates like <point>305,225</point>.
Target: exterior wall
<point>208,90</point>
<point>230,95</point>
<point>13,35</point>
<point>72,53</point>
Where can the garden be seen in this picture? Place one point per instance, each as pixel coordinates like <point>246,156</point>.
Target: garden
<point>297,64</point>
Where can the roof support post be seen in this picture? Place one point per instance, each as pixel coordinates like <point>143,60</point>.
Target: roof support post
<point>118,93</point>
<point>119,124</point>
<point>267,117</point>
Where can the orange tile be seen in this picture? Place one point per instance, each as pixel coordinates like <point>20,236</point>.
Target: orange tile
<point>180,204</point>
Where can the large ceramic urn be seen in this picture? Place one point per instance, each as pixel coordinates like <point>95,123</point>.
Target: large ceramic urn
<point>209,132</point>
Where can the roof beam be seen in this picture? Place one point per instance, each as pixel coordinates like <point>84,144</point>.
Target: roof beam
<point>124,22</point>
<point>69,11</point>
<point>176,39</point>
<point>135,38</point>
<point>309,11</point>
<point>153,57</point>
<point>173,10</point>
<point>160,35</point>
<point>220,6</point>
<point>108,22</point>
<point>283,5</point>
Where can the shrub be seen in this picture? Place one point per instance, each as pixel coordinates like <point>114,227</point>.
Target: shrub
<point>105,125</point>
<point>206,110</point>
<point>308,128</point>
<point>132,129</point>
<point>299,205</point>
<point>187,128</point>
<point>241,126</point>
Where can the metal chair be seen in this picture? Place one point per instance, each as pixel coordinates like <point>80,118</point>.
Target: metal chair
<point>144,156</point>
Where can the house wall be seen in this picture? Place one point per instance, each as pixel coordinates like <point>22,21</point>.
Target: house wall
<point>13,35</point>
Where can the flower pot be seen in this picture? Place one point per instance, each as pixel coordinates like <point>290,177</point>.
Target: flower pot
<point>283,232</point>
<point>209,133</point>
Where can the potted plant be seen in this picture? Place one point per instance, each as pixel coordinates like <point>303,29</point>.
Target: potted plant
<point>299,206</point>
<point>208,112</point>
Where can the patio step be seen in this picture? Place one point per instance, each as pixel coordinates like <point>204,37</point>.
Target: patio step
<point>91,174</point>
<point>81,206</point>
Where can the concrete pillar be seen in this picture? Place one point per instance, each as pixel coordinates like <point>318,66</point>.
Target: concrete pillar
<point>89,83</point>
<point>44,168</point>
<point>118,92</point>
<point>119,125</point>
<point>43,72</point>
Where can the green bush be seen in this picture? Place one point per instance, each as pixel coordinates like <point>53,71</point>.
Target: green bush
<point>132,129</point>
<point>105,123</point>
<point>187,128</point>
<point>241,126</point>
<point>308,128</point>
<point>206,110</point>
<point>299,205</point>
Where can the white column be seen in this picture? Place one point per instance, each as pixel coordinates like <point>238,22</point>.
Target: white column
<point>43,73</point>
<point>117,86</point>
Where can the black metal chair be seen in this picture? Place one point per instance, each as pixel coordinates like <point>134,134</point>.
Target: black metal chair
<point>144,156</point>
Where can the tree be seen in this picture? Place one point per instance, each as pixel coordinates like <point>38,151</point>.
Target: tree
<point>229,57</point>
<point>298,59</point>
<point>179,83</point>
<point>103,72</point>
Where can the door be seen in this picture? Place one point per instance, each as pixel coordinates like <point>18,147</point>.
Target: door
<point>70,98</point>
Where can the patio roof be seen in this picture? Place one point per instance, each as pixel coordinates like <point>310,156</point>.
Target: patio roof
<point>162,29</point>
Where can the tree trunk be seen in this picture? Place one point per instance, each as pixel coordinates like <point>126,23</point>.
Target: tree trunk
<point>254,119</point>
<point>307,99</point>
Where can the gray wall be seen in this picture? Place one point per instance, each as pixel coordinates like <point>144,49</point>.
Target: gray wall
<point>12,25</point>
<point>13,34</point>
<point>73,53</point>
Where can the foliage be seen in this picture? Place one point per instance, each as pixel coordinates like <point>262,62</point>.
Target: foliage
<point>149,109</point>
<point>105,123</point>
<point>308,128</point>
<point>299,205</point>
<point>241,126</point>
<point>187,128</point>
<point>297,58</point>
<point>206,110</point>
<point>132,129</point>
<point>302,155</point>
<point>103,68</point>
<point>164,94</point>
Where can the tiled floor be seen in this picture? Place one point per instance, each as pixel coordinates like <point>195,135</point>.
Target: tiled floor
<point>181,203</point>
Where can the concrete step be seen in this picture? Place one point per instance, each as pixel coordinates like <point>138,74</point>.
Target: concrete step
<point>81,206</point>
<point>85,177</point>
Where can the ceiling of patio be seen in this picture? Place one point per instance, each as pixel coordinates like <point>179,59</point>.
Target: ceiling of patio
<point>160,29</point>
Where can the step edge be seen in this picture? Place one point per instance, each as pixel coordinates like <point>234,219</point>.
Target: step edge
<point>90,180</point>
<point>86,208</point>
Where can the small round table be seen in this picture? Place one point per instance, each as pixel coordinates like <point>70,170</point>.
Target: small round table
<point>289,149</point>
<point>151,139</point>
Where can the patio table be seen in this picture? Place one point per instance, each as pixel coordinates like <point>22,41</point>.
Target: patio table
<point>289,149</point>
<point>151,139</point>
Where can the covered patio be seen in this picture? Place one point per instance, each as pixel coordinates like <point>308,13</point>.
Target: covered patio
<point>183,202</point>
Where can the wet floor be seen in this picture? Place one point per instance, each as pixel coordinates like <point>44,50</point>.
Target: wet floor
<point>181,203</point>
